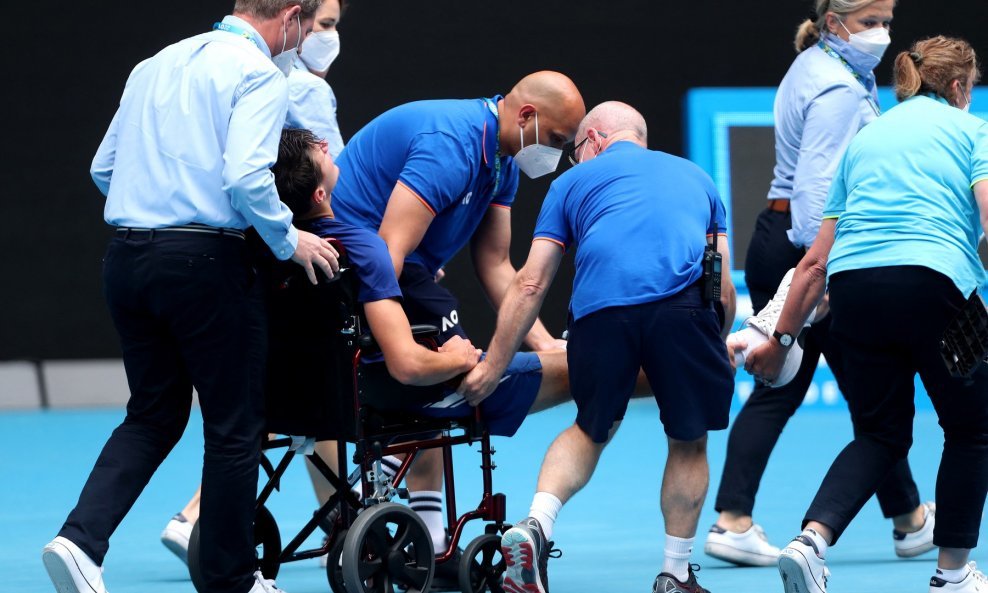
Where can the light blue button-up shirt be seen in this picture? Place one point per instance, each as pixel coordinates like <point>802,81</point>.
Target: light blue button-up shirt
<point>195,136</point>
<point>819,108</point>
<point>312,106</point>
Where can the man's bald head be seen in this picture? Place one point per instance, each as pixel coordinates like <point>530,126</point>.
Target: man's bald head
<point>612,117</point>
<point>556,100</point>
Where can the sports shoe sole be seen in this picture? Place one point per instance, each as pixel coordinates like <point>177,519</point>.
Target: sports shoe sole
<point>741,558</point>
<point>916,551</point>
<point>57,559</point>
<point>176,543</point>
<point>521,574</point>
<point>793,577</point>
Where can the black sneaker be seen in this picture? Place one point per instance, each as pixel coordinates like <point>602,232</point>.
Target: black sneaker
<point>526,553</point>
<point>666,583</point>
<point>446,577</point>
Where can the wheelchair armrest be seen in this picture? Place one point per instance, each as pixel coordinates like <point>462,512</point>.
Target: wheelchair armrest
<point>369,345</point>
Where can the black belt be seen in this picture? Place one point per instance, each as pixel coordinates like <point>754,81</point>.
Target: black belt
<point>190,228</point>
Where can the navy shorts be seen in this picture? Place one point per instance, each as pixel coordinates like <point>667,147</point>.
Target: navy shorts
<point>426,302</point>
<point>676,341</point>
<point>505,409</point>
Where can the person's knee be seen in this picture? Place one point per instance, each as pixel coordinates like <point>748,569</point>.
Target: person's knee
<point>692,448</point>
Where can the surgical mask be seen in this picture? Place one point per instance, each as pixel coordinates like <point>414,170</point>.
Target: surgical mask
<point>320,49</point>
<point>967,107</point>
<point>285,59</point>
<point>536,160</point>
<point>872,41</point>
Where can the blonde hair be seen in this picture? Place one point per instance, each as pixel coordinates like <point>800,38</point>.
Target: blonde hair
<point>810,31</point>
<point>932,65</point>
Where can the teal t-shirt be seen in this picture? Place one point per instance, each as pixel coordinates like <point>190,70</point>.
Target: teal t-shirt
<point>903,193</point>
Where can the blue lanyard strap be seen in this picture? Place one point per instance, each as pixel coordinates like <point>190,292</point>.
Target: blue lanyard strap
<point>497,152</point>
<point>847,66</point>
<point>235,30</point>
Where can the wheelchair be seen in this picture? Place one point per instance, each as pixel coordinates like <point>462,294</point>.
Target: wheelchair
<point>327,381</point>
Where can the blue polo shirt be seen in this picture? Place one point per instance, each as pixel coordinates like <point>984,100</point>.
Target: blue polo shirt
<point>640,219</point>
<point>446,153</point>
<point>367,252</point>
<point>903,193</point>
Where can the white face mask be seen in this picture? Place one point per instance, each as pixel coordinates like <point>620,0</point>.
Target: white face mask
<point>285,59</point>
<point>536,160</point>
<point>320,49</point>
<point>871,41</point>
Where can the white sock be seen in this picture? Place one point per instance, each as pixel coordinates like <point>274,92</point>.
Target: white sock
<point>821,544</point>
<point>677,557</point>
<point>389,465</point>
<point>545,508</point>
<point>429,505</point>
<point>952,575</point>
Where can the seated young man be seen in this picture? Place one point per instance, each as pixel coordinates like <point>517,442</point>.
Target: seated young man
<point>305,176</point>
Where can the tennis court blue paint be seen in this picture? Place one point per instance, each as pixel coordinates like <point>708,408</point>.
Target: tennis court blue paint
<point>610,534</point>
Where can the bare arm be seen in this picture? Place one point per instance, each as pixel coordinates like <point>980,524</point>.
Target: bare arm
<point>515,318</point>
<point>981,197</point>
<point>807,288</point>
<point>408,361</point>
<point>405,221</point>
<point>490,248</point>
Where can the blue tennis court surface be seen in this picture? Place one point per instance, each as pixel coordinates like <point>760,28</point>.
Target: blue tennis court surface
<point>610,534</point>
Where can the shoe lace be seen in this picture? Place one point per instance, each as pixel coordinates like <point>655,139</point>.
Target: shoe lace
<point>977,574</point>
<point>266,584</point>
<point>766,319</point>
<point>553,552</point>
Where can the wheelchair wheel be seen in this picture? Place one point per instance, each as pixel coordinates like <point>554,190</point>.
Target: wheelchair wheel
<point>388,548</point>
<point>334,566</point>
<point>482,565</point>
<point>267,540</point>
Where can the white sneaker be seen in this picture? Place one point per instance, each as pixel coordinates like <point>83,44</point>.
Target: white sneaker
<point>974,582</point>
<point>71,570</point>
<point>750,548</point>
<point>176,537</point>
<point>753,337</point>
<point>759,328</point>
<point>263,585</point>
<point>908,545</point>
<point>802,568</point>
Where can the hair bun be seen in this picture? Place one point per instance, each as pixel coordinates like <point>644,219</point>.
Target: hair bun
<point>917,57</point>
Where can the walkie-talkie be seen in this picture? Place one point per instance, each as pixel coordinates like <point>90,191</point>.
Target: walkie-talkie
<point>712,260</point>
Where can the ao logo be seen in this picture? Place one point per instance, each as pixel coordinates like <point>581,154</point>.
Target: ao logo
<point>452,320</point>
<point>466,198</point>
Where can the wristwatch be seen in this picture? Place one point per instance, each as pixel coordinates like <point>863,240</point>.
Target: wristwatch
<point>785,340</point>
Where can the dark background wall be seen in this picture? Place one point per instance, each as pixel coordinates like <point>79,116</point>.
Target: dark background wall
<point>65,70</point>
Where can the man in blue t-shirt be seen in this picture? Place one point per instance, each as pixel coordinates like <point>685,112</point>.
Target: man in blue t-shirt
<point>431,176</point>
<point>642,220</point>
<point>531,382</point>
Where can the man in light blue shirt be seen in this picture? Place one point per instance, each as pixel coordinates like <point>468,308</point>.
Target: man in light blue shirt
<point>185,169</point>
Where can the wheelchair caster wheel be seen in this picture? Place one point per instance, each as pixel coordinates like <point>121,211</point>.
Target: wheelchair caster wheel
<point>267,539</point>
<point>334,564</point>
<point>482,565</point>
<point>388,547</point>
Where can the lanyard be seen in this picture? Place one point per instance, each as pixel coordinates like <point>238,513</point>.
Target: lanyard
<point>236,31</point>
<point>847,66</point>
<point>497,153</point>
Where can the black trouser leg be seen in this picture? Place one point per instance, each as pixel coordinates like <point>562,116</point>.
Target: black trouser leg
<point>886,339</point>
<point>759,424</point>
<point>182,306</point>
